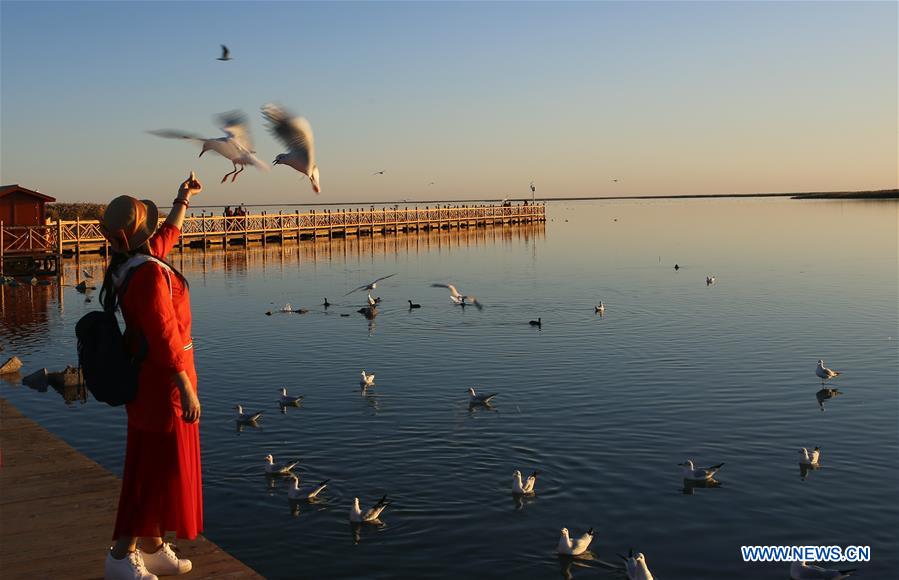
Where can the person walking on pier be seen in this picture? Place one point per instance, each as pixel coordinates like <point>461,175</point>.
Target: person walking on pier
<point>162,482</point>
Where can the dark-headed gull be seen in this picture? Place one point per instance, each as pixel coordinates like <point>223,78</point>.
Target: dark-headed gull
<point>459,298</point>
<point>289,400</point>
<point>699,473</point>
<point>246,418</point>
<point>296,134</point>
<point>272,468</point>
<point>825,373</point>
<point>306,492</point>
<point>569,547</point>
<point>226,54</point>
<point>476,399</point>
<point>803,571</point>
<point>809,458</point>
<point>236,146</point>
<point>366,379</point>
<point>526,487</point>
<point>369,516</point>
<point>371,285</point>
<point>635,565</point>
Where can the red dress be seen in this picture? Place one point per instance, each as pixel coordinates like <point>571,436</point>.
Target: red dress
<point>162,485</point>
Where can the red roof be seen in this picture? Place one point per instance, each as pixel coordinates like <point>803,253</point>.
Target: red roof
<point>7,189</point>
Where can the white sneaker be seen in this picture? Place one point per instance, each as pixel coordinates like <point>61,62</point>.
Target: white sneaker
<point>131,567</point>
<point>164,562</point>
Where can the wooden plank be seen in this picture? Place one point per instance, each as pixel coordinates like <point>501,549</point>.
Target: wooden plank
<point>57,510</point>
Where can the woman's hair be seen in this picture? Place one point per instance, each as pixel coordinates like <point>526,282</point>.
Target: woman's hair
<point>109,298</point>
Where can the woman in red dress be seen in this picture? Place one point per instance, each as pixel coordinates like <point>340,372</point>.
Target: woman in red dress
<point>162,484</point>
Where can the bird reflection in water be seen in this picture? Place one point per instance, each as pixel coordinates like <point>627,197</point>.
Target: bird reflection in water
<point>568,563</point>
<point>522,500</point>
<point>826,394</point>
<point>477,407</point>
<point>371,399</point>
<point>804,470</point>
<point>248,426</point>
<point>690,485</point>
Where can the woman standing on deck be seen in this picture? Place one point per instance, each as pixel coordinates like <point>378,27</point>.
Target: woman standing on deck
<point>162,484</point>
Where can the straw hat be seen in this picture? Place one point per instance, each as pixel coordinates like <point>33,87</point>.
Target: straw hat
<point>128,222</point>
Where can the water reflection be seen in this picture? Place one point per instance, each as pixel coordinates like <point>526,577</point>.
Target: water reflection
<point>522,500</point>
<point>826,394</point>
<point>804,469</point>
<point>690,485</point>
<point>568,563</point>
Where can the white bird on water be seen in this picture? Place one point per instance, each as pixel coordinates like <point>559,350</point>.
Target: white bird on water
<point>236,146</point>
<point>809,458</point>
<point>246,418</point>
<point>569,547</point>
<point>296,134</point>
<point>601,309</point>
<point>526,488</point>
<point>825,373</point>
<point>635,565</point>
<point>273,468</point>
<point>476,399</point>
<point>803,571</point>
<point>699,473</point>
<point>87,274</point>
<point>367,380</point>
<point>307,492</point>
<point>369,516</point>
<point>289,400</point>
<point>371,285</point>
<point>459,298</point>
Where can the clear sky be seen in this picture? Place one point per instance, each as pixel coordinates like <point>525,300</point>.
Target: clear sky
<point>480,98</point>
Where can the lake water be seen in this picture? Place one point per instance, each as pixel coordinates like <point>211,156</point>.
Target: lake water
<point>604,407</point>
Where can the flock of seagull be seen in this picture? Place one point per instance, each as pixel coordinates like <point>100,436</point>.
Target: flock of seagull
<point>634,563</point>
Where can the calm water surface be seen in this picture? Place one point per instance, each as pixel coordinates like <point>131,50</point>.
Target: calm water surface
<point>604,408</point>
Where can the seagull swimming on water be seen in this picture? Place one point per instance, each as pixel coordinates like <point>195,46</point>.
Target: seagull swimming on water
<point>367,380</point>
<point>699,473</point>
<point>226,54</point>
<point>809,458</point>
<point>289,400</point>
<point>803,571</point>
<point>526,487</point>
<point>458,298</point>
<point>635,565</point>
<point>369,516</point>
<point>246,418</point>
<point>236,146</point>
<point>601,309</point>
<point>476,399</point>
<point>296,134</point>
<point>569,547</point>
<point>273,468</point>
<point>307,492</point>
<point>825,373</point>
<point>709,280</point>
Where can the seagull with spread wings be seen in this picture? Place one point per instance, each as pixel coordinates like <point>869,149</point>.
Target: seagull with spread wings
<point>296,134</point>
<point>236,146</point>
<point>459,298</point>
<point>371,285</point>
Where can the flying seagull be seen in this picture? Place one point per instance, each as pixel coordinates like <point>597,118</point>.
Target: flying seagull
<point>296,134</point>
<point>236,146</point>
<point>459,298</point>
<point>533,188</point>
<point>370,516</point>
<point>371,285</point>
<point>378,172</point>
<point>226,54</point>
<point>569,547</point>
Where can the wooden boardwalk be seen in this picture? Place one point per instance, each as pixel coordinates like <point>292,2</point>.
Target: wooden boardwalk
<point>57,510</point>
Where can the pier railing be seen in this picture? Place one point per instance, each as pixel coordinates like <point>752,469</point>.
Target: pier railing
<point>61,235</point>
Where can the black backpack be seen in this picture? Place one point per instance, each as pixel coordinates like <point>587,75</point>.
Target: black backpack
<point>109,368</point>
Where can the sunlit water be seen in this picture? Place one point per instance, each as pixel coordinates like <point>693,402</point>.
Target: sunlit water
<point>604,408</point>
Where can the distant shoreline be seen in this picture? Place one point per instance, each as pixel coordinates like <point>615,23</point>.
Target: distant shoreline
<point>872,194</point>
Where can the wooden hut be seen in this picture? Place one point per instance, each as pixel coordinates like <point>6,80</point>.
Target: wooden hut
<point>20,206</point>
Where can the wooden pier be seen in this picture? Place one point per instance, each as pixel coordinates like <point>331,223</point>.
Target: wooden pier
<point>57,510</point>
<point>27,250</point>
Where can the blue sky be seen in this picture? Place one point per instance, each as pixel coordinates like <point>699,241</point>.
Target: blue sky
<point>672,97</point>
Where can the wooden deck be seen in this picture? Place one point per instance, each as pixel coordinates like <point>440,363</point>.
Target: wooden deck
<point>57,510</point>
